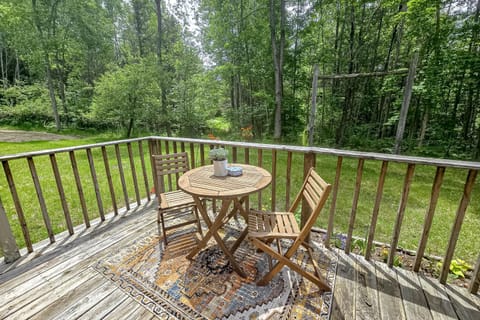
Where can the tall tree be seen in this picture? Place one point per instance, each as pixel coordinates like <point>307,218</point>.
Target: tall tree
<point>278,46</point>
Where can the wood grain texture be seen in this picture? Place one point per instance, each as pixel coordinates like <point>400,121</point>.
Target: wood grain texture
<point>438,302</point>
<point>96,187</point>
<point>343,296</point>
<point>400,213</point>
<point>353,213</point>
<point>333,204</point>
<point>78,183</point>
<point>389,294</point>
<point>122,176</point>
<point>376,208</point>
<point>366,293</point>
<point>41,199</point>
<point>61,193</point>
<point>414,301</point>
<point>18,206</point>
<point>109,180</point>
<point>134,172</point>
<point>457,225</point>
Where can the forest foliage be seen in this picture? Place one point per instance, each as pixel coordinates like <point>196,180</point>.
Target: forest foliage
<point>190,69</point>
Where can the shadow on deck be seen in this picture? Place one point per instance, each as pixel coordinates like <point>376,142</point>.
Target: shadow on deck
<point>78,277</point>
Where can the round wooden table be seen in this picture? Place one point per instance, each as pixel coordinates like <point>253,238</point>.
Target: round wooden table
<point>201,183</point>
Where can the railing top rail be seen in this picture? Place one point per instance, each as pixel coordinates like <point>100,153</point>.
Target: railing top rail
<point>336,152</point>
<point>327,151</point>
<point>67,149</point>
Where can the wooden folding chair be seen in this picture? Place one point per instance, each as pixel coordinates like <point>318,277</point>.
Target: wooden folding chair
<point>176,208</point>
<point>265,227</point>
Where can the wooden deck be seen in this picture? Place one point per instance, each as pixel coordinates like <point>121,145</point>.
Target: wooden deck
<point>57,281</point>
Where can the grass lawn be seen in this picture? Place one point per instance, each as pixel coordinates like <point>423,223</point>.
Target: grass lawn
<point>468,245</point>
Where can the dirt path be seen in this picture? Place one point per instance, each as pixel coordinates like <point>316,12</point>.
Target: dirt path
<point>22,136</point>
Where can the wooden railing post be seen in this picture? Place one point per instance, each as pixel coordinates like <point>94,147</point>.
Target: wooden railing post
<point>400,213</point>
<point>353,213</point>
<point>475,282</point>
<point>437,183</point>
<point>333,205</point>
<point>7,241</point>
<point>18,206</point>
<point>376,208</point>
<point>152,148</point>
<point>467,190</point>
<point>309,160</point>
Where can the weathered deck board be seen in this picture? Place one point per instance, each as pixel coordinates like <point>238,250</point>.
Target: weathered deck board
<point>389,295</point>
<point>124,310</point>
<point>366,293</point>
<point>463,303</point>
<point>343,295</point>
<point>414,301</point>
<point>440,307</point>
<point>105,306</point>
<point>57,281</point>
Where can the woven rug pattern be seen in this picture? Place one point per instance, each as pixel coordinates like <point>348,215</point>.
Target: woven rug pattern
<point>161,279</point>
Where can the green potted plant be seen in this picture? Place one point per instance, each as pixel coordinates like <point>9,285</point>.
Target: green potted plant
<point>219,158</point>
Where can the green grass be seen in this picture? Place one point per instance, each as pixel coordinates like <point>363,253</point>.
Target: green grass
<point>468,245</point>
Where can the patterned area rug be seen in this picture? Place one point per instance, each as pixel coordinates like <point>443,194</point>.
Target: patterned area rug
<point>173,287</point>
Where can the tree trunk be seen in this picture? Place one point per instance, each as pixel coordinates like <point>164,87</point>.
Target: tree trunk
<point>313,110</point>
<point>51,92</point>
<point>423,129</point>
<point>405,104</point>
<point>3,69</point>
<point>48,68</point>
<point>277,53</point>
<point>163,86</point>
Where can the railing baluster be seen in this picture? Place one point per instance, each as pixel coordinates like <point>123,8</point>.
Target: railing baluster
<point>353,213</point>
<point>475,281</point>
<point>134,172</point>
<point>61,193</point>
<point>467,190</point>
<point>309,160</point>
<point>159,147</point>
<point>152,146</point>
<point>260,164</point>
<point>41,199</point>
<point>247,156</point>
<point>401,212</point>
<point>122,176</point>
<point>175,149</point>
<point>182,146</point>
<point>144,169</point>
<point>78,182</point>
<point>202,154</point>
<point>234,154</point>
<point>376,208</point>
<point>192,156</point>
<point>169,177</point>
<point>167,147</point>
<point>274,179</point>
<point>7,241</point>
<point>96,187</point>
<point>437,183</point>
<point>109,180</point>
<point>288,180</point>
<point>18,206</point>
<point>334,202</point>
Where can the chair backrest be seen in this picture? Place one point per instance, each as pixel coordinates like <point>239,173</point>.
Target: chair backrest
<point>314,194</point>
<point>168,166</point>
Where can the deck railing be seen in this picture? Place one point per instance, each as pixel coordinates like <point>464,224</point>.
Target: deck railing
<point>112,180</point>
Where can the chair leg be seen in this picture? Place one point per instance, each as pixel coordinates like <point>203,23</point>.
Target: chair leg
<point>162,223</point>
<point>199,226</point>
<point>284,261</point>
